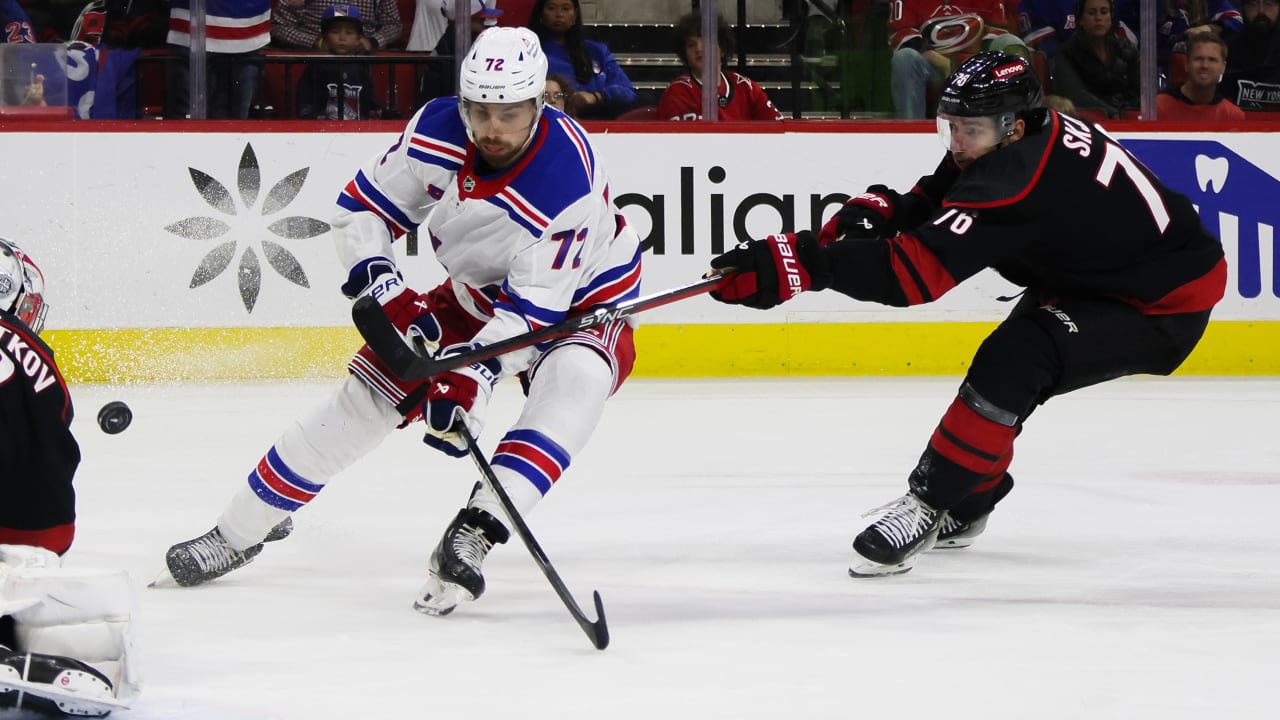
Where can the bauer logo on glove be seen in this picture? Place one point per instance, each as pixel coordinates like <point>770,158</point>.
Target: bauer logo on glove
<point>768,272</point>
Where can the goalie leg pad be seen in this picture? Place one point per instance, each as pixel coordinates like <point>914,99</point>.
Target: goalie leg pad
<point>78,613</point>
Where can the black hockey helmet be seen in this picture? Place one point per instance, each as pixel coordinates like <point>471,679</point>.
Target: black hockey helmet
<point>991,83</point>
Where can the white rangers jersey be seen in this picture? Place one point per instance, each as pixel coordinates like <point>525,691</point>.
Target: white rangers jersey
<point>524,247</point>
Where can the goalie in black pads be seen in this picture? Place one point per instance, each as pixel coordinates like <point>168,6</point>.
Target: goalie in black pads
<point>1120,279</point>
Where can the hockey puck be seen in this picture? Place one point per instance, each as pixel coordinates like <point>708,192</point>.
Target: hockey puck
<point>114,417</point>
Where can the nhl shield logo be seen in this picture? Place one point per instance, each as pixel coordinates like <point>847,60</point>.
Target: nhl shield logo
<point>469,184</point>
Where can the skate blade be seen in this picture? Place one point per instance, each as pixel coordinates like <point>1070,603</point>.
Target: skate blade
<point>439,599</point>
<point>952,544</point>
<point>164,580</point>
<point>868,569</point>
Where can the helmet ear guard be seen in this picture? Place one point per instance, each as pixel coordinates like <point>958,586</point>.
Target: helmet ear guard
<point>21,286</point>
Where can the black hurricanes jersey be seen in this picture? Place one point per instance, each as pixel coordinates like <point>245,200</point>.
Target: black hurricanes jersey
<point>1065,211</point>
<point>38,455</point>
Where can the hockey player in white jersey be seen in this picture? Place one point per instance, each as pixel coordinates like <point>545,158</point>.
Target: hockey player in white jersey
<point>517,208</point>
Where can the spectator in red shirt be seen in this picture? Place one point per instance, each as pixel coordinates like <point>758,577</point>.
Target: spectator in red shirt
<point>740,98</point>
<point>1198,98</point>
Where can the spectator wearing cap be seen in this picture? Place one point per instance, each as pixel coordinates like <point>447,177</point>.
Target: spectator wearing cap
<point>296,24</point>
<point>740,98</point>
<point>604,90</point>
<point>1198,98</point>
<point>339,90</point>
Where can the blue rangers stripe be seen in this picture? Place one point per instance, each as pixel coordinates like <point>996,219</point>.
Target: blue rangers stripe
<point>543,443</point>
<point>430,158</point>
<point>607,277</point>
<point>382,202</point>
<point>516,217</point>
<point>525,469</point>
<point>269,495</point>
<point>539,315</point>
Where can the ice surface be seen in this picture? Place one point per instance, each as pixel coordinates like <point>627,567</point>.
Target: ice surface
<point>1132,573</point>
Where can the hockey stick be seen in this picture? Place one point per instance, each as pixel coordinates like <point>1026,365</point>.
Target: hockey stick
<point>597,631</point>
<point>388,344</point>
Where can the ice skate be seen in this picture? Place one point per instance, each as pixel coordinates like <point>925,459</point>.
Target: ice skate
<point>206,558</point>
<point>454,571</point>
<point>966,521</point>
<point>890,545</point>
<point>960,534</point>
<point>210,556</point>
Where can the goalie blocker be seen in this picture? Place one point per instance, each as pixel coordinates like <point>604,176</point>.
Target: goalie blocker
<point>65,636</point>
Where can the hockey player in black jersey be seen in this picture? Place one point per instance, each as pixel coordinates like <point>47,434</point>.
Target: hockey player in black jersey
<point>39,455</point>
<point>1120,279</point>
<point>48,612</point>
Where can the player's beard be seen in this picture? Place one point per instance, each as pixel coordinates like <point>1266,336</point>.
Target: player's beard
<point>498,152</point>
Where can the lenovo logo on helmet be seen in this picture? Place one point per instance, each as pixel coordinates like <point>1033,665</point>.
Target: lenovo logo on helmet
<point>1007,70</point>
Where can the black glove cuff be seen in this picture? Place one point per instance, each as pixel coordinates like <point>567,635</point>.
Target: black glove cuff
<point>814,259</point>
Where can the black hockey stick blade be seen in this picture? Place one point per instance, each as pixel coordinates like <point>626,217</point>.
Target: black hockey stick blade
<point>596,631</point>
<point>389,345</point>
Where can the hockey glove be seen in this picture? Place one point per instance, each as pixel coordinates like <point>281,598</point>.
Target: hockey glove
<point>771,271</point>
<point>376,277</point>
<point>458,396</point>
<point>411,313</point>
<point>866,216</point>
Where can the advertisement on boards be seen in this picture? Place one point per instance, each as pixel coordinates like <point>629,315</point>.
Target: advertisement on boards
<point>231,230</point>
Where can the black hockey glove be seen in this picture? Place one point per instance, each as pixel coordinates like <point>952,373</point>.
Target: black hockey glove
<point>771,271</point>
<point>869,215</point>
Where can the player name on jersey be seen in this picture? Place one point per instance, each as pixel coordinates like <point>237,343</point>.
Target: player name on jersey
<point>18,354</point>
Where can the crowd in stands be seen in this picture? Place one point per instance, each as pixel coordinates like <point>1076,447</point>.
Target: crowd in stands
<point>1216,59</point>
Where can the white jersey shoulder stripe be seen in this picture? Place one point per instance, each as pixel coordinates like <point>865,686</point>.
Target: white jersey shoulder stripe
<point>525,209</point>
<point>438,148</point>
<point>575,135</point>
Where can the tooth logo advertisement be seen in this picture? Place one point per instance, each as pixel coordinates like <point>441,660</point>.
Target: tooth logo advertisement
<point>1237,200</point>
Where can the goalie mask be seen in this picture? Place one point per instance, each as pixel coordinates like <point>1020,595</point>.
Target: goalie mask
<point>505,66</point>
<point>991,85</point>
<point>21,286</point>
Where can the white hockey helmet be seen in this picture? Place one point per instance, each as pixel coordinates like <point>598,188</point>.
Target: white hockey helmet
<point>21,286</point>
<point>504,65</point>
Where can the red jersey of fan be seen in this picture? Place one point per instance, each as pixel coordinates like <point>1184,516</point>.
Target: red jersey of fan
<point>1173,105</point>
<point>740,99</point>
